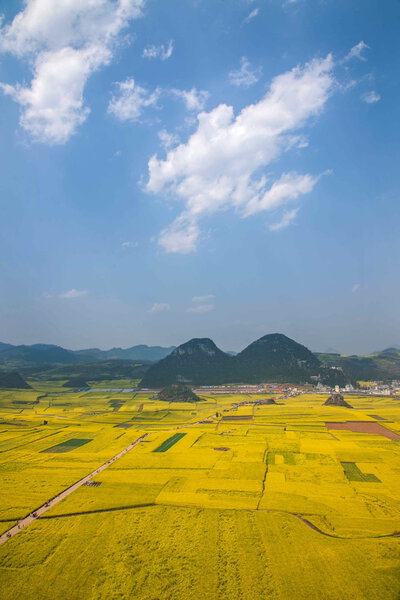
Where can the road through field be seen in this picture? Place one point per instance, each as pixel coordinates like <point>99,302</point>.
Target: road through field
<point>47,505</point>
<point>35,514</point>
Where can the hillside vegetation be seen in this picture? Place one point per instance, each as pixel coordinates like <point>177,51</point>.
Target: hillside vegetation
<point>49,354</point>
<point>178,393</point>
<point>12,380</point>
<point>383,365</point>
<point>273,357</point>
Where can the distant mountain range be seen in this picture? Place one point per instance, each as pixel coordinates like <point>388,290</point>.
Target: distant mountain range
<point>273,357</point>
<point>384,365</point>
<point>48,354</point>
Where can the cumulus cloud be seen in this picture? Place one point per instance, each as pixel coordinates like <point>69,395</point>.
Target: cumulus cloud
<point>159,307</point>
<point>64,42</point>
<point>251,15</point>
<point>287,218</point>
<point>203,298</point>
<point>357,51</point>
<point>370,97</point>
<point>130,100</point>
<point>245,76</point>
<point>222,164</point>
<point>162,52</point>
<point>201,308</point>
<point>194,99</point>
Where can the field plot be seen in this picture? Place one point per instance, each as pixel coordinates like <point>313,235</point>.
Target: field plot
<point>169,442</point>
<point>68,445</point>
<point>365,427</point>
<point>181,553</point>
<point>353,473</point>
<point>257,502</point>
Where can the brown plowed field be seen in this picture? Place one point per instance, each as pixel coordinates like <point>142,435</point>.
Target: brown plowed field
<point>364,427</point>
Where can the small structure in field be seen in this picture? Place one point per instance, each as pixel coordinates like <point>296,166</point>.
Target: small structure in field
<point>337,400</point>
<point>178,393</point>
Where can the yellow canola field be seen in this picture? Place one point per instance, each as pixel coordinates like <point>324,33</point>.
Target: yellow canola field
<point>164,553</point>
<point>216,515</point>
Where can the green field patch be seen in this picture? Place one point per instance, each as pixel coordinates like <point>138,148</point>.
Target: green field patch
<point>116,403</point>
<point>353,473</point>
<point>167,444</point>
<point>68,445</point>
<point>288,458</point>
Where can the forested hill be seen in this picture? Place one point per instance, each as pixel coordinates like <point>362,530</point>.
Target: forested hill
<point>384,365</point>
<point>273,357</point>
<point>197,361</point>
<point>12,380</point>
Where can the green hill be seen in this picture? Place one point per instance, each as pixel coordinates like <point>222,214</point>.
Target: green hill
<point>378,366</point>
<point>12,380</point>
<point>198,361</point>
<point>178,393</point>
<point>273,357</point>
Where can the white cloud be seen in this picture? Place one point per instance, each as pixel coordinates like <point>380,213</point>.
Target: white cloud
<point>162,52</point>
<point>181,236</point>
<point>287,218</point>
<point>65,42</point>
<point>159,307</point>
<point>194,99</point>
<point>130,244</point>
<point>53,105</point>
<point>251,15</point>
<point>245,76</point>
<point>73,294</point>
<point>203,298</point>
<point>201,308</point>
<point>370,97</point>
<point>219,166</point>
<point>67,295</point>
<point>167,139</point>
<point>131,99</point>
<point>357,51</point>
<point>355,288</point>
<point>287,188</point>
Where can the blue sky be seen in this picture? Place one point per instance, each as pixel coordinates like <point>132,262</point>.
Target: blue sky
<point>200,168</point>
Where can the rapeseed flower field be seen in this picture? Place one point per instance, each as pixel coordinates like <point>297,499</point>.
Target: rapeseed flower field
<point>249,502</point>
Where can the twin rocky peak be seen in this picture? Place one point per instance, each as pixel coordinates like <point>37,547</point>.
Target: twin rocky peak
<point>273,357</point>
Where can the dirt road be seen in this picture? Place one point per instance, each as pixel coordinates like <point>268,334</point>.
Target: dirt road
<point>47,505</point>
